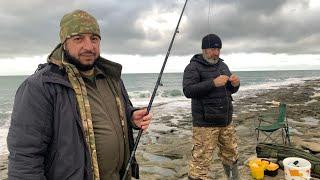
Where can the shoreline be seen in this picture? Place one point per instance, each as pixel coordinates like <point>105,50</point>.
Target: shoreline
<point>164,151</point>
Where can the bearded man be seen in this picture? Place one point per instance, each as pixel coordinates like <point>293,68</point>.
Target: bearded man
<point>72,119</point>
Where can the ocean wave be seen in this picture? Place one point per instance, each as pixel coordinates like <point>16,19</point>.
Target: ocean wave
<point>159,101</point>
<point>5,118</point>
<point>3,143</point>
<point>161,93</point>
<point>276,83</point>
<point>272,83</point>
<point>248,89</point>
<point>172,93</point>
<point>139,94</point>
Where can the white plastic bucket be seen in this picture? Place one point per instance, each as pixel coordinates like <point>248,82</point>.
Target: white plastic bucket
<point>296,168</point>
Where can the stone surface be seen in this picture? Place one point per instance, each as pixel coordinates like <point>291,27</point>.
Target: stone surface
<point>165,150</point>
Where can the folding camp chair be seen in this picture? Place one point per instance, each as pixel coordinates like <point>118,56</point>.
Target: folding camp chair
<point>281,123</point>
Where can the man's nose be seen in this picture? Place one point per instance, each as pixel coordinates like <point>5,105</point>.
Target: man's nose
<point>87,44</point>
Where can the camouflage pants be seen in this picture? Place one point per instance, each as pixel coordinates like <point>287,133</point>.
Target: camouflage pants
<point>205,140</point>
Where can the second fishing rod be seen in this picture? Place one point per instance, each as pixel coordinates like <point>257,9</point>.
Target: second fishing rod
<point>154,93</point>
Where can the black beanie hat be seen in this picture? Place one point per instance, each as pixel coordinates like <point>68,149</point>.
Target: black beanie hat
<point>211,41</point>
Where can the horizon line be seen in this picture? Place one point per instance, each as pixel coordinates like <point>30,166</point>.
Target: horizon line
<point>259,70</point>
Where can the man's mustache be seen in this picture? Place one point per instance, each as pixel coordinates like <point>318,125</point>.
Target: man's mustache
<point>88,53</point>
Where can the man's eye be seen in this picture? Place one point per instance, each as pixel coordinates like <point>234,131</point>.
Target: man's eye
<point>94,38</point>
<point>77,38</point>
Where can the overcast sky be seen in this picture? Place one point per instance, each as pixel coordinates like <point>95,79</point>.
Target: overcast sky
<point>256,34</point>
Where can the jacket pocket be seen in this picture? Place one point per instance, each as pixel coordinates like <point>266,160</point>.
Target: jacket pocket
<point>216,110</point>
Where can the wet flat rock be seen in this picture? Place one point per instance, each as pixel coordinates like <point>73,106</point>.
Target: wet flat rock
<point>165,150</point>
<point>303,112</point>
<point>3,167</point>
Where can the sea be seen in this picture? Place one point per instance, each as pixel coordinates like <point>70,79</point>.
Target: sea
<point>169,94</point>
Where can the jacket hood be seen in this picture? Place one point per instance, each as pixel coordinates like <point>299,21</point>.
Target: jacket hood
<point>199,58</point>
<point>108,67</point>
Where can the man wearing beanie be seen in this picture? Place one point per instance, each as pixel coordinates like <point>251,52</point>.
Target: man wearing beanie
<point>72,119</point>
<point>209,83</point>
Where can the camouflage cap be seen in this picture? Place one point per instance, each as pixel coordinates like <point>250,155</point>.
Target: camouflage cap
<point>78,22</point>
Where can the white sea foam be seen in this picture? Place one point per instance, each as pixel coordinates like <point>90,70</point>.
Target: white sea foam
<point>171,103</point>
<point>158,100</point>
<point>3,142</point>
<point>252,90</point>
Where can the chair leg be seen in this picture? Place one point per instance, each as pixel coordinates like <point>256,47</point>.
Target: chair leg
<point>288,135</point>
<point>283,136</point>
<point>268,136</point>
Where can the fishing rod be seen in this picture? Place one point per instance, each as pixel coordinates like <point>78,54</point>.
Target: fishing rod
<point>154,93</point>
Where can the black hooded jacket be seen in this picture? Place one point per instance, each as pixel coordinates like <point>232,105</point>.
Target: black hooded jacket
<point>211,106</point>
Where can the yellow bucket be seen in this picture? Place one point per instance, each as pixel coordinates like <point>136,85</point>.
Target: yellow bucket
<point>257,168</point>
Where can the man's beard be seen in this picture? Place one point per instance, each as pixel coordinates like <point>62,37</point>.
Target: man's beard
<point>76,62</point>
<point>212,59</point>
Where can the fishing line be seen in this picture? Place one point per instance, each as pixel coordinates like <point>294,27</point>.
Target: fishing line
<point>210,15</point>
<point>228,100</point>
<point>221,72</point>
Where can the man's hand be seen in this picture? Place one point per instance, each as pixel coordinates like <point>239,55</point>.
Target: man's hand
<point>141,119</point>
<point>234,79</point>
<point>220,80</point>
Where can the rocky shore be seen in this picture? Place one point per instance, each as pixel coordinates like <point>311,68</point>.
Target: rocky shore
<point>164,151</point>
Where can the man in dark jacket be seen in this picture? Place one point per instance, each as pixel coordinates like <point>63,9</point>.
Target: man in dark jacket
<point>72,119</point>
<point>208,81</point>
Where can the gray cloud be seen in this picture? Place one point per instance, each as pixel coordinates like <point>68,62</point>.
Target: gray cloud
<point>275,26</point>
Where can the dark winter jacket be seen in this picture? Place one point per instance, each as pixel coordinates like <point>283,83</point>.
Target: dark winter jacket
<point>45,138</point>
<point>211,106</point>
